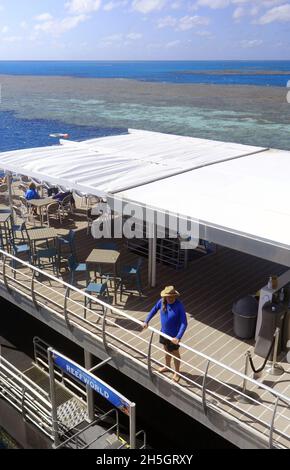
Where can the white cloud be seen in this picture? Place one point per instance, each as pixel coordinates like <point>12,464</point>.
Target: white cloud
<point>4,30</point>
<point>147,6</point>
<point>57,27</point>
<point>173,43</point>
<point>280,14</point>
<point>189,22</point>
<point>114,4</point>
<point>134,36</point>
<point>83,6</point>
<point>44,17</point>
<point>250,43</point>
<point>12,39</point>
<point>182,24</point>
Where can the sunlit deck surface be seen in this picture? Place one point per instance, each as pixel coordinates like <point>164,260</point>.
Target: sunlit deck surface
<point>208,287</point>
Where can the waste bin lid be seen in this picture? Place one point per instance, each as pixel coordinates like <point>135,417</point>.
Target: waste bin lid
<point>246,307</point>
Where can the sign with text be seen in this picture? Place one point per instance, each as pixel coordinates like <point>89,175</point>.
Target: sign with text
<point>90,380</point>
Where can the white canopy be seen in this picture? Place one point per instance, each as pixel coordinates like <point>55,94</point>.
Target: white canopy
<point>115,163</point>
<point>239,193</point>
<point>242,203</point>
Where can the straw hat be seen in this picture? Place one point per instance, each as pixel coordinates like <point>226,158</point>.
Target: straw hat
<point>170,291</point>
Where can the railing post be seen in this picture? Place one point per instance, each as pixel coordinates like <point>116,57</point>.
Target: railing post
<point>66,317</point>
<point>275,368</point>
<point>149,356</point>
<point>204,403</point>
<point>245,396</point>
<point>133,426</point>
<point>104,337</point>
<point>118,425</point>
<point>272,424</point>
<point>33,290</point>
<point>4,275</point>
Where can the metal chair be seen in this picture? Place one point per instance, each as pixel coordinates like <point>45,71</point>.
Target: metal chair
<point>53,210</point>
<point>66,205</point>
<point>97,289</point>
<point>51,255</point>
<point>19,249</point>
<point>75,268</point>
<point>129,272</point>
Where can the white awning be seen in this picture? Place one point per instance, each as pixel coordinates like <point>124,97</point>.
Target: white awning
<point>242,203</point>
<point>115,163</point>
<point>240,194</point>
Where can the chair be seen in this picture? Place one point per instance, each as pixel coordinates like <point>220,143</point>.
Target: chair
<point>3,188</point>
<point>81,198</point>
<point>17,251</point>
<point>97,289</point>
<point>66,244</point>
<point>26,209</point>
<point>129,272</point>
<point>75,268</point>
<point>53,210</point>
<point>51,255</point>
<point>66,206</point>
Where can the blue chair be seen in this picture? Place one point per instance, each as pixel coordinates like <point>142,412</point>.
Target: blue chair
<point>129,272</point>
<point>97,289</point>
<point>66,245</point>
<point>19,249</point>
<point>49,254</point>
<point>75,268</point>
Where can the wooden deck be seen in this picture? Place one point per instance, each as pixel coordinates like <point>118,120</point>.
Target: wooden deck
<point>208,288</point>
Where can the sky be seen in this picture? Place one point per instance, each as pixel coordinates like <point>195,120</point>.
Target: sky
<point>144,29</point>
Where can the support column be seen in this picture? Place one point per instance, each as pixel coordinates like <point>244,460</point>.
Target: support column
<point>133,426</point>
<point>10,198</point>
<point>90,393</point>
<point>152,254</point>
<point>53,397</point>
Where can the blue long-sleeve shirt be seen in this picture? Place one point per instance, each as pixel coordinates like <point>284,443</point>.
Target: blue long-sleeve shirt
<point>31,194</point>
<point>173,319</point>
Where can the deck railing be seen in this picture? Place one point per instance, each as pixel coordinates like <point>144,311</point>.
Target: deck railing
<point>26,396</point>
<point>208,381</point>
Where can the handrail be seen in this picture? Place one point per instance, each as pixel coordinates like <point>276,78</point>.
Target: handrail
<point>30,385</point>
<point>150,328</point>
<point>125,315</point>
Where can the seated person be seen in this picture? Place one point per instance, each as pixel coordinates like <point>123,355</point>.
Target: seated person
<point>62,195</point>
<point>32,193</point>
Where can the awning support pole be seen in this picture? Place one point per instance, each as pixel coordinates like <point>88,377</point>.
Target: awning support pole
<point>152,252</point>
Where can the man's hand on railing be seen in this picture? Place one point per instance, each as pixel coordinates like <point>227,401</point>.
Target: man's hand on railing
<point>144,326</point>
<point>175,341</point>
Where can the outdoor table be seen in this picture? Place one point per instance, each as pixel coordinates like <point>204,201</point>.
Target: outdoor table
<point>105,257</point>
<point>40,204</point>
<point>5,223</point>
<point>39,234</point>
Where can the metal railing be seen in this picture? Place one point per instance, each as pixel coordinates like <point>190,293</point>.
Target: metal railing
<point>26,396</point>
<point>210,382</point>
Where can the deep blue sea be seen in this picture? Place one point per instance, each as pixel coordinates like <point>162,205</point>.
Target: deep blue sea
<point>90,99</point>
<point>208,72</point>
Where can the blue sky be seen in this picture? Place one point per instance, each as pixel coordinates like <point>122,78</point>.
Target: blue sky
<point>144,29</point>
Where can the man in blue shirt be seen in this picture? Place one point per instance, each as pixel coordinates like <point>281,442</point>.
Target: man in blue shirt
<point>173,324</point>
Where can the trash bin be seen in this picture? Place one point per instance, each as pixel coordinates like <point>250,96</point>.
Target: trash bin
<point>273,316</point>
<point>245,312</point>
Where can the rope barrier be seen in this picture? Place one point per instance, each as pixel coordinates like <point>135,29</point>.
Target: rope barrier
<point>257,371</point>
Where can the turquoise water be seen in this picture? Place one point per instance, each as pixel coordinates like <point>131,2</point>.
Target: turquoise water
<point>33,106</point>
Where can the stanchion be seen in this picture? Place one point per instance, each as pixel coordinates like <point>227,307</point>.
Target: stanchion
<point>275,368</point>
<point>245,396</point>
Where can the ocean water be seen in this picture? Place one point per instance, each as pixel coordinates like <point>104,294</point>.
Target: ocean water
<point>260,73</point>
<point>212,100</point>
